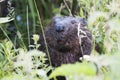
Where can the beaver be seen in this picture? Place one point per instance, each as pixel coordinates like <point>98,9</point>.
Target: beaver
<point>63,43</point>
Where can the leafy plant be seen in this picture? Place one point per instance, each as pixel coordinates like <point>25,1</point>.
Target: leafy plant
<point>19,62</point>
<point>98,68</point>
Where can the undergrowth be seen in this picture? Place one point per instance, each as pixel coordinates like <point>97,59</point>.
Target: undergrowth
<point>19,61</point>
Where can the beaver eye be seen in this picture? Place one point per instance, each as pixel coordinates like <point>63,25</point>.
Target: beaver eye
<point>54,22</point>
<point>83,22</point>
<point>73,21</point>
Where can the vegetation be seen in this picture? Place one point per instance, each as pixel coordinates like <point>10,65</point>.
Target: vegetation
<point>23,61</point>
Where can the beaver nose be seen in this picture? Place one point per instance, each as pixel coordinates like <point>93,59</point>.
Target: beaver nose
<point>59,28</point>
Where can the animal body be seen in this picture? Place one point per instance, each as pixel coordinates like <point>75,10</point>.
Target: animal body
<point>64,44</point>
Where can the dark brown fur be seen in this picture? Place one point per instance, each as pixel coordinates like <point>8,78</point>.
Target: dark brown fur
<point>64,46</point>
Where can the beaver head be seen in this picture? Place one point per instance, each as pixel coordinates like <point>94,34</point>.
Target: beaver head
<point>61,34</point>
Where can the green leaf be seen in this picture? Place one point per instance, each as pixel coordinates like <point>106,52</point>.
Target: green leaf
<point>114,24</point>
<point>94,16</point>
<point>81,12</point>
<point>18,77</point>
<point>74,69</point>
<point>1,56</point>
<point>5,20</point>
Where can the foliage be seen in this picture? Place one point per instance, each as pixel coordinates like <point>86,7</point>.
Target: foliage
<point>102,67</point>
<point>74,69</point>
<point>103,25</point>
<point>21,64</point>
<point>19,61</point>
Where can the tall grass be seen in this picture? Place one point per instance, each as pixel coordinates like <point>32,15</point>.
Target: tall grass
<point>103,18</point>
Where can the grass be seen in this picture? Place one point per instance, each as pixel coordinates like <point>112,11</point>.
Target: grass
<point>103,18</point>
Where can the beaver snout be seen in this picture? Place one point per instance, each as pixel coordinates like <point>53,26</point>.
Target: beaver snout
<point>59,27</point>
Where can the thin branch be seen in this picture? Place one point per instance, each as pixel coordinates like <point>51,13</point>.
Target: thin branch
<point>82,34</point>
<point>70,13</point>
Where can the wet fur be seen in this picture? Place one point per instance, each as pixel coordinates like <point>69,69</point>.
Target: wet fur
<point>64,47</point>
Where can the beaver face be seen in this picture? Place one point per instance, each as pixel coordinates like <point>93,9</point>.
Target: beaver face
<point>62,33</point>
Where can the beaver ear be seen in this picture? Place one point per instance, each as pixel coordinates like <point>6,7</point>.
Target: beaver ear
<point>83,21</point>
